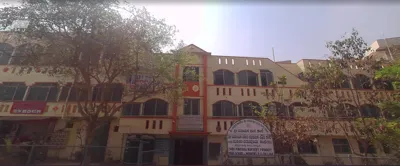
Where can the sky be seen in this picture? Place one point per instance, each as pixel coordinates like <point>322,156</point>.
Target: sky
<point>296,30</point>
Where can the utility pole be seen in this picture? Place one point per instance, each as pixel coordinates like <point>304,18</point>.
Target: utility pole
<point>387,46</point>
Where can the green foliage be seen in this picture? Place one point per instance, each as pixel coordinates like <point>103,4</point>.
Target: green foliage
<point>89,42</point>
<point>391,73</point>
<point>389,132</point>
<point>326,91</point>
<point>286,130</point>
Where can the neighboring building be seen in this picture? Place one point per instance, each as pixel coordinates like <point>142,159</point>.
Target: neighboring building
<point>192,131</point>
<point>385,48</point>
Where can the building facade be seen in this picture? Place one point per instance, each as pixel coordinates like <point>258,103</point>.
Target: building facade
<point>191,131</point>
<point>387,48</point>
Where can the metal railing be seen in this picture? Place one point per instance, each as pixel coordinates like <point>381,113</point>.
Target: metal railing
<point>312,159</point>
<point>53,155</point>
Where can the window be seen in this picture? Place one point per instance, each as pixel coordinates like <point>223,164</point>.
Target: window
<point>347,110</point>
<point>12,91</point>
<point>223,77</point>
<point>22,51</point>
<point>282,148</point>
<point>108,92</point>
<point>191,74</point>
<point>191,107</point>
<point>384,85</point>
<point>73,92</point>
<point>369,111</point>
<point>248,78</point>
<point>43,92</point>
<point>301,76</point>
<point>249,108</point>
<point>386,148</point>
<point>370,148</point>
<point>267,78</point>
<point>280,110</point>
<point>131,109</point>
<point>361,82</point>
<point>6,51</point>
<point>214,150</point>
<point>224,108</point>
<point>155,107</point>
<point>307,147</point>
<point>344,84</point>
<point>341,146</point>
<point>132,150</point>
<point>296,106</point>
<point>343,111</point>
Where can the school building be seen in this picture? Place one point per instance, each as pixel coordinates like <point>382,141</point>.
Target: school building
<point>191,131</point>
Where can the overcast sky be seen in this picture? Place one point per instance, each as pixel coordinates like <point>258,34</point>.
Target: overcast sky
<point>295,30</point>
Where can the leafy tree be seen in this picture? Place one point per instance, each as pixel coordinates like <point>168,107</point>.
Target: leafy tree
<point>351,111</point>
<point>390,127</point>
<point>287,129</point>
<point>92,47</point>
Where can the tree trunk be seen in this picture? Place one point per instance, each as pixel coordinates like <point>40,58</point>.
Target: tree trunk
<point>90,130</point>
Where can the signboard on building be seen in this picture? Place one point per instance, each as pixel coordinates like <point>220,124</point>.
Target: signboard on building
<point>140,81</point>
<point>190,123</point>
<point>249,138</point>
<point>28,107</point>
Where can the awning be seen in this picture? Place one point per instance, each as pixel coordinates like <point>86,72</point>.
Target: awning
<point>18,118</point>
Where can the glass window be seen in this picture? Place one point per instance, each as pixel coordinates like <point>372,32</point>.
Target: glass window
<point>72,93</point>
<point>224,108</point>
<point>280,109</point>
<point>345,84</point>
<point>296,106</point>
<point>6,51</point>
<point>386,148</point>
<point>224,77</point>
<point>267,78</point>
<point>361,82</point>
<point>43,92</point>
<point>282,148</point>
<point>12,91</point>
<point>191,107</point>
<point>346,111</point>
<point>110,92</point>
<point>22,51</point>
<point>155,107</point>
<point>248,78</point>
<point>370,111</point>
<point>131,109</point>
<point>307,147</point>
<point>370,148</point>
<point>384,85</point>
<point>249,108</point>
<point>191,74</point>
<point>341,146</point>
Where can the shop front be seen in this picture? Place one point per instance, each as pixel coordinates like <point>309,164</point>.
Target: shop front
<point>25,123</point>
